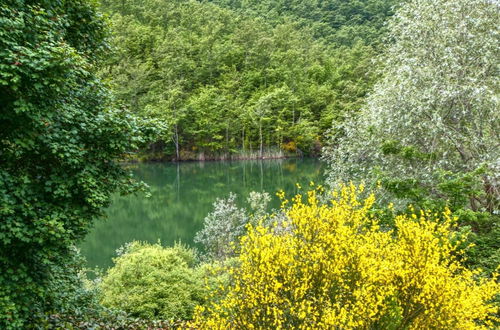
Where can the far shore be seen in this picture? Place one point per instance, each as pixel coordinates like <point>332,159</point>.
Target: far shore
<point>152,158</point>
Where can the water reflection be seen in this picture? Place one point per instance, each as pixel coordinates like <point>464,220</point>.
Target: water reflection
<point>182,195</point>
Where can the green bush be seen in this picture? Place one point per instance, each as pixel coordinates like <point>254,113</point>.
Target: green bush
<point>153,282</point>
<point>60,143</point>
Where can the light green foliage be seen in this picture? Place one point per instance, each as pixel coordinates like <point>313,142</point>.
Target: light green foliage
<point>222,227</point>
<point>227,223</point>
<point>436,107</point>
<point>59,143</point>
<point>429,133</point>
<point>153,282</point>
<point>225,82</point>
<point>258,203</point>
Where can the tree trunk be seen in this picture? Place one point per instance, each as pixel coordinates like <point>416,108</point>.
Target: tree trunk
<point>227,138</point>
<point>261,140</point>
<point>176,141</point>
<point>243,139</point>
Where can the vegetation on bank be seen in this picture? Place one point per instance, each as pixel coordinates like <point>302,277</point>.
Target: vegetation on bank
<point>429,132</point>
<point>331,263</point>
<point>60,143</point>
<point>326,258</point>
<point>157,154</point>
<point>224,76</point>
<point>152,282</point>
<point>227,83</point>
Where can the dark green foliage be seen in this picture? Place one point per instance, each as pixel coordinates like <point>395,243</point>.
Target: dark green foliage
<point>58,145</point>
<point>74,303</point>
<point>339,22</point>
<point>226,82</point>
<point>485,253</point>
<point>463,194</point>
<point>71,299</point>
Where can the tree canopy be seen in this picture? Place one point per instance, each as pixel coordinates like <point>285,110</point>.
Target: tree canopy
<point>429,132</point>
<point>226,82</point>
<point>59,142</point>
<point>436,107</point>
<point>338,22</point>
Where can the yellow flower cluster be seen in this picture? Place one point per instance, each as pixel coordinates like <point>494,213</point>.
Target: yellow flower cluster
<point>335,267</point>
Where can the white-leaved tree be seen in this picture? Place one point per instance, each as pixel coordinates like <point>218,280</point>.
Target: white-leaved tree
<point>434,116</point>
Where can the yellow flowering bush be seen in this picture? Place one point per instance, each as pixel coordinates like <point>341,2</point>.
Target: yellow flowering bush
<point>331,265</point>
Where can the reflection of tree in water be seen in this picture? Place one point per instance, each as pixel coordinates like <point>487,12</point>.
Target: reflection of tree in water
<point>182,195</point>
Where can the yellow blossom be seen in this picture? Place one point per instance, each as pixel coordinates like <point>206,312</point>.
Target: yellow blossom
<point>333,266</point>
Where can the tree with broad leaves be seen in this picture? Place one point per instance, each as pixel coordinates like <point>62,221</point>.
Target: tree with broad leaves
<point>60,140</point>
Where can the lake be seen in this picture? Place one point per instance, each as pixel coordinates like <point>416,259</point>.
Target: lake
<point>182,195</point>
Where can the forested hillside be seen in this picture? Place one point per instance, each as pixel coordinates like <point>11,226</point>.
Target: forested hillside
<point>339,22</point>
<point>233,83</point>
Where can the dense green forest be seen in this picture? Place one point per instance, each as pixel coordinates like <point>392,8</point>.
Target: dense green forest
<point>230,84</point>
<point>337,22</point>
<point>400,99</point>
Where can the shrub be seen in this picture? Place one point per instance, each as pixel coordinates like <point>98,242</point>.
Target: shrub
<point>73,303</point>
<point>335,267</point>
<point>227,223</point>
<point>153,282</point>
<point>60,142</point>
<point>222,227</point>
<point>258,203</point>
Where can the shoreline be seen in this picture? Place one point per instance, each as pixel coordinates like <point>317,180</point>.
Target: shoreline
<point>156,158</point>
<point>165,160</point>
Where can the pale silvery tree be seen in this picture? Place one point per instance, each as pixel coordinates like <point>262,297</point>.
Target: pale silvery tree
<point>227,222</point>
<point>258,202</point>
<point>436,106</point>
<point>222,227</point>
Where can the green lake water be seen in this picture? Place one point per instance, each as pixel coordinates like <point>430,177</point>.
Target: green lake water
<point>182,195</point>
